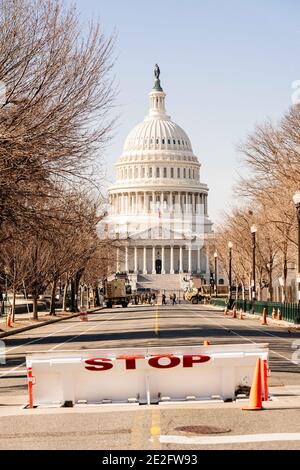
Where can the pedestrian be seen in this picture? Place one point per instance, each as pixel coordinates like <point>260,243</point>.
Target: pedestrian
<point>174,299</point>
<point>163,299</point>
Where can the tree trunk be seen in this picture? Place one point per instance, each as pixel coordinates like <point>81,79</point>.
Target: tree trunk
<point>64,304</point>
<point>270,288</point>
<point>243,291</point>
<point>88,298</point>
<point>82,296</point>
<point>74,291</point>
<point>34,307</point>
<point>97,297</point>
<point>53,293</point>
<point>13,308</point>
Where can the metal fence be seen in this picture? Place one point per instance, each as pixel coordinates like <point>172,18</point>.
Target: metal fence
<point>289,311</point>
<point>219,302</point>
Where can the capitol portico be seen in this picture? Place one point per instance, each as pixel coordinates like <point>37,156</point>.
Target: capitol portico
<point>158,208</point>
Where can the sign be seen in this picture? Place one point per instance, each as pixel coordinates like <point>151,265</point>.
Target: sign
<point>143,375</point>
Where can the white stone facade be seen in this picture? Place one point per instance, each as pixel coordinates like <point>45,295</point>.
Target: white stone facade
<point>158,207</point>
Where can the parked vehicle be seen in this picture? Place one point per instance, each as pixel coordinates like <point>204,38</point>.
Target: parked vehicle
<point>116,292</point>
<point>196,295</point>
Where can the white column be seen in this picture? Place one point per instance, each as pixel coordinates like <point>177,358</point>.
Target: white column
<point>190,259</point>
<point>153,260</point>
<point>161,202</point>
<point>170,201</point>
<point>145,202</point>
<point>136,203</point>
<point>193,204</point>
<point>135,260</point>
<point>172,260</point>
<point>145,261</point>
<point>118,260</point>
<point>126,259</point>
<point>198,260</point>
<point>153,201</point>
<point>163,260</point>
<point>180,260</point>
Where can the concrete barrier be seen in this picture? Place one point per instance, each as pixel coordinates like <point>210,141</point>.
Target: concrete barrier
<point>142,375</point>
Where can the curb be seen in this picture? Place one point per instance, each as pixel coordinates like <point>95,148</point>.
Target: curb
<point>48,322</point>
<point>282,323</point>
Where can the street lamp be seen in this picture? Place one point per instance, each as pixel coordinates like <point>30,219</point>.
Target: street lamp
<point>296,199</point>
<point>230,273</point>
<point>216,273</point>
<point>253,284</point>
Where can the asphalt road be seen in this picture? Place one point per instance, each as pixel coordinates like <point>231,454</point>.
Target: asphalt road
<point>111,428</point>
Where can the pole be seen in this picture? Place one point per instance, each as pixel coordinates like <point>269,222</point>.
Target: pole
<point>230,275</point>
<point>253,268</point>
<point>216,276</point>
<point>298,280</point>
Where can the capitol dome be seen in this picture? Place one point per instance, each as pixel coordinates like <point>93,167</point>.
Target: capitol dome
<point>158,176</point>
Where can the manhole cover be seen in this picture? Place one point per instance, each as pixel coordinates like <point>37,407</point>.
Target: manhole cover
<point>202,429</point>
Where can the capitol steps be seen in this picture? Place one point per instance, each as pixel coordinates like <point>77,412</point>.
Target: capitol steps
<point>161,282</point>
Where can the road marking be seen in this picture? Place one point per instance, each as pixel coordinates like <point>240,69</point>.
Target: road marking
<point>47,336</point>
<point>155,428</point>
<point>215,440</point>
<point>30,342</point>
<point>241,336</point>
<point>84,332</point>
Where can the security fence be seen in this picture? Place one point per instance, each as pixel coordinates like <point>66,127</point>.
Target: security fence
<point>289,311</point>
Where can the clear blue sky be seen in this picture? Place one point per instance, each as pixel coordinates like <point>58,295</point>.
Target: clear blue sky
<point>225,66</point>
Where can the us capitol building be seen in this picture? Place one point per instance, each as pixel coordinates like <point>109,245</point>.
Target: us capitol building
<point>158,207</point>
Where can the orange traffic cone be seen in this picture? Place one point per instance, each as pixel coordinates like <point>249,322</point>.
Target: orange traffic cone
<point>83,314</point>
<point>234,311</point>
<point>264,317</point>
<point>206,343</point>
<point>255,400</point>
<point>9,322</point>
<point>241,316</point>
<point>273,314</point>
<point>279,316</point>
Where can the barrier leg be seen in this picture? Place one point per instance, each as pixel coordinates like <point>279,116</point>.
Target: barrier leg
<point>266,390</point>
<point>30,384</point>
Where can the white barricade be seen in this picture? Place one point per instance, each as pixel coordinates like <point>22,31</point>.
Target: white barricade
<point>144,375</point>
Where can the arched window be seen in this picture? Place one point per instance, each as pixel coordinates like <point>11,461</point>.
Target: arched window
<point>165,172</point>
<point>189,173</point>
<point>221,281</point>
<point>184,173</point>
<point>150,172</point>
<point>169,141</point>
<point>157,172</point>
<point>178,172</point>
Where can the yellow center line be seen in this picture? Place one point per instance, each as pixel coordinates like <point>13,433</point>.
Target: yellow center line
<point>155,428</point>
